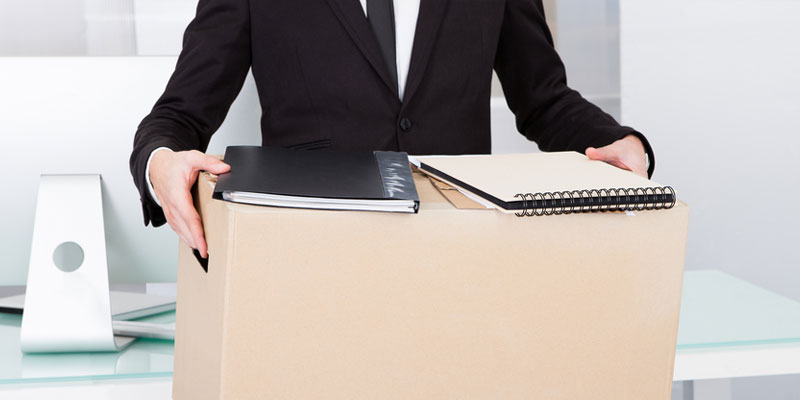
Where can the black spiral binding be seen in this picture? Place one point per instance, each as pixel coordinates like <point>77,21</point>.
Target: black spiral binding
<point>596,200</point>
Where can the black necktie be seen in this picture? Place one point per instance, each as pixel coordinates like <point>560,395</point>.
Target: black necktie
<point>381,17</point>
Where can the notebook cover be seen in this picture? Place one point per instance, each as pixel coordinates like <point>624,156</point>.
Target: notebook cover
<point>549,183</point>
<point>503,176</point>
<point>323,174</point>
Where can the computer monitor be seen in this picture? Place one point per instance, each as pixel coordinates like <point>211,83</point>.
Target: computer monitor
<point>64,115</point>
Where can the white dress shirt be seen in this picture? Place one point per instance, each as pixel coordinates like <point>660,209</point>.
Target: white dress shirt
<point>405,24</point>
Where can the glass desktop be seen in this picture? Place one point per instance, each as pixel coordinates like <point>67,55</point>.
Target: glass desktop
<point>718,310</point>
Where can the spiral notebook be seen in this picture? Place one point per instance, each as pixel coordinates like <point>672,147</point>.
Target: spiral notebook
<point>326,180</point>
<point>548,183</point>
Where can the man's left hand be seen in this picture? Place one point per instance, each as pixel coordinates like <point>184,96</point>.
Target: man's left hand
<point>626,153</point>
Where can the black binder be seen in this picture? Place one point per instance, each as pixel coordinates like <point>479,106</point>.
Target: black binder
<point>273,176</point>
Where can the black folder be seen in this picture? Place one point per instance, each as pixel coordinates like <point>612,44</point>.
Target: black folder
<point>273,176</point>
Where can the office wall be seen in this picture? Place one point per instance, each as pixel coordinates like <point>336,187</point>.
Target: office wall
<point>21,25</point>
<point>715,84</point>
<point>588,43</point>
<point>160,25</point>
<point>67,28</point>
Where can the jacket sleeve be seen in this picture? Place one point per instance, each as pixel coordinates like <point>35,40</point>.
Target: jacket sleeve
<point>208,76</point>
<point>547,111</point>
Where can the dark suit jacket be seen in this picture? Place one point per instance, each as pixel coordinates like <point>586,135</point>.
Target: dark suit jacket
<point>322,82</point>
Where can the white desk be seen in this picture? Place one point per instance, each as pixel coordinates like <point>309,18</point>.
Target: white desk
<point>729,328</point>
<point>732,329</point>
<point>116,389</point>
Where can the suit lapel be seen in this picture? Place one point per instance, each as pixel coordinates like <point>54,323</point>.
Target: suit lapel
<point>431,13</point>
<point>351,15</point>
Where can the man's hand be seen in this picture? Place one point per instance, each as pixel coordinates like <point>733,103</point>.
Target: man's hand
<point>626,153</point>
<point>173,174</point>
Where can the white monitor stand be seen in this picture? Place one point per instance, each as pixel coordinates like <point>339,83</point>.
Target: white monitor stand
<point>67,302</point>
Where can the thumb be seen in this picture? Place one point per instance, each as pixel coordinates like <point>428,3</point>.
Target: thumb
<point>214,165</point>
<point>603,154</point>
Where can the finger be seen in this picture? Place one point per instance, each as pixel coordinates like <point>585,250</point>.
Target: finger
<point>633,163</point>
<point>192,220</point>
<point>602,154</point>
<point>182,231</point>
<point>637,164</point>
<point>180,227</point>
<point>605,153</point>
<point>620,164</point>
<point>208,163</point>
<point>215,165</point>
<point>196,229</point>
<point>640,171</point>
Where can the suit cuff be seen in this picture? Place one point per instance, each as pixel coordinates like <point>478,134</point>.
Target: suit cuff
<point>651,157</point>
<point>150,188</point>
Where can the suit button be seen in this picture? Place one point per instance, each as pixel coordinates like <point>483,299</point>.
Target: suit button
<point>405,124</point>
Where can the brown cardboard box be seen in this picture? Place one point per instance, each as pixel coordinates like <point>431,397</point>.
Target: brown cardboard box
<point>449,303</point>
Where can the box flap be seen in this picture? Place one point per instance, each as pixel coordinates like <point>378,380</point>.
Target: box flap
<point>455,197</point>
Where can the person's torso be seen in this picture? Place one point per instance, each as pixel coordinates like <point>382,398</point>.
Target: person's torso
<point>322,82</point>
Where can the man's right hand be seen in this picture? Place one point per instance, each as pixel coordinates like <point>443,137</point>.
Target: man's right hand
<point>172,175</point>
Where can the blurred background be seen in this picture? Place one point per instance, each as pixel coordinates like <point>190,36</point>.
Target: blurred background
<point>713,84</point>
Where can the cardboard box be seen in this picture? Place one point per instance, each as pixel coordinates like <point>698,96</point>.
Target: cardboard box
<point>448,303</point>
